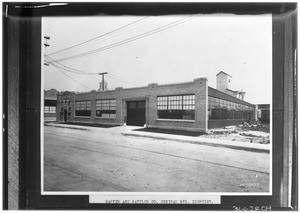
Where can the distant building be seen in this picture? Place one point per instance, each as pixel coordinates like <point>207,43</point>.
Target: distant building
<point>263,113</point>
<point>50,98</point>
<point>224,85</point>
<point>64,107</point>
<point>192,106</point>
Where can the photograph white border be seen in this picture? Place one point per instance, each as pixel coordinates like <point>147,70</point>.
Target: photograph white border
<point>143,194</point>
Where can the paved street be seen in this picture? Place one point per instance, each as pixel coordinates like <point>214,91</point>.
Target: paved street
<point>101,159</point>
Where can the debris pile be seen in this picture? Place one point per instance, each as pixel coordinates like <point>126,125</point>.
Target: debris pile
<point>257,126</point>
<point>253,133</point>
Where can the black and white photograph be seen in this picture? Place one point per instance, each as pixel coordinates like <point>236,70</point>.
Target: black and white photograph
<point>150,106</point>
<point>170,103</point>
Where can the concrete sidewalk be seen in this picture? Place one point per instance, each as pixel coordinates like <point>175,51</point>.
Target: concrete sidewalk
<point>112,129</point>
<point>254,147</point>
<point>68,126</point>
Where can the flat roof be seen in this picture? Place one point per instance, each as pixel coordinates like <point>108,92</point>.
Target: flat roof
<point>50,98</point>
<point>218,94</point>
<point>263,105</point>
<point>143,87</point>
<point>237,91</point>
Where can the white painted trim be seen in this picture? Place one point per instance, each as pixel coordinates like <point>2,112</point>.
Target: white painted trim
<point>105,118</point>
<point>176,120</point>
<point>191,129</point>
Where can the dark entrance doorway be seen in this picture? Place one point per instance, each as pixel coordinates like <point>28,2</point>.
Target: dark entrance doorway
<point>65,115</point>
<point>136,113</point>
<point>249,117</point>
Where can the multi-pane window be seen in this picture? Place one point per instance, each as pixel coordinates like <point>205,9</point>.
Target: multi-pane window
<point>162,103</point>
<point>50,106</point>
<point>223,109</point>
<point>106,108</point>
<point>50,109</point>
<point>69,111</point>
<point>176,107</point>
<point>83,108</point>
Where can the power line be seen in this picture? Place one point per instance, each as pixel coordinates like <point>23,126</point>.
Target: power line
<point>67,68</point>
<point>148,33</point>
<point>62,68</point>
<point>99,36</point>
<point>173,24</point>
<point>75,80</point>
<point>73,70</point>
<point>118,79</point>
<point>72,78</point>
<point>121,80</point>
<point>112,36</point>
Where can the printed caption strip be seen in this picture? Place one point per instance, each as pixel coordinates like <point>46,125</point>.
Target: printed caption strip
<point>156,199</point>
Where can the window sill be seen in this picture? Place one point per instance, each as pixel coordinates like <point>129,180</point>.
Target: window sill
<point>105,118</point>
<point>227,119</point>
<point>176,120</point>
<point>76,116</point>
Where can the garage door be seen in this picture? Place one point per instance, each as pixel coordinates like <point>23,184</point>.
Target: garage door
<point>136,113</point>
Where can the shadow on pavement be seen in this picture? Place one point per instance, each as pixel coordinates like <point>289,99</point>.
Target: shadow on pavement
<point>171,131</point>
<point>90,124</point>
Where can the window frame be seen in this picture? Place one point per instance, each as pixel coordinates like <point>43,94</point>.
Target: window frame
<point>172,107</point>
<point>109,106</point>
<point>83,107</point>
<point>221,109</point>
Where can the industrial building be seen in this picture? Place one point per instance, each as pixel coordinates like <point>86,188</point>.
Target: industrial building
<point>50,99</point>
<point>191,106</point>
<point>263,113</point>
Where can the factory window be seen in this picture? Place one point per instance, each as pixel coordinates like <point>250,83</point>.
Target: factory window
<point>50,109</point>
<point>106,108</point>
<point>83,108</point>
<point>223,109</point>
<point>176,107</point>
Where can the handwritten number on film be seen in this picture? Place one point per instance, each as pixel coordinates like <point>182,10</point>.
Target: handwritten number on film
<point>252,208</point>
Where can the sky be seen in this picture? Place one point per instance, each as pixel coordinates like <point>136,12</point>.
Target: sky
<point>138,50</point>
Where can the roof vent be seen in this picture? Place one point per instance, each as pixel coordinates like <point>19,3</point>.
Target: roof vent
<point>153,85</point>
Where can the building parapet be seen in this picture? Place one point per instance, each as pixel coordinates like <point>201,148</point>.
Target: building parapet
<point>200,79</point>
<point>153,85</point>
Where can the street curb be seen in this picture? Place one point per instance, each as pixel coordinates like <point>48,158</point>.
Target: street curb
<point>67,127</point>
<point>251,149</point>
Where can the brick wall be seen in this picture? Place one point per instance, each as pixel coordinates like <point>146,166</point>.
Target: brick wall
<point>149,94</point>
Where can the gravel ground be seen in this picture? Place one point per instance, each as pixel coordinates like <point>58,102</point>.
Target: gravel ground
<point>251,134</point>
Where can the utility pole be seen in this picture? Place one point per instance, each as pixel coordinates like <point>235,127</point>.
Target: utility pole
<point>46,45</point>
<point>103,73</point>
<point>46,39</point>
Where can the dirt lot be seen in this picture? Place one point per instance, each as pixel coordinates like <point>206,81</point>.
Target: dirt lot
<point>244,133</point>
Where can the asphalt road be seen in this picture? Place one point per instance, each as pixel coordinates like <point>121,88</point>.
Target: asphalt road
<point>105,160</point>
